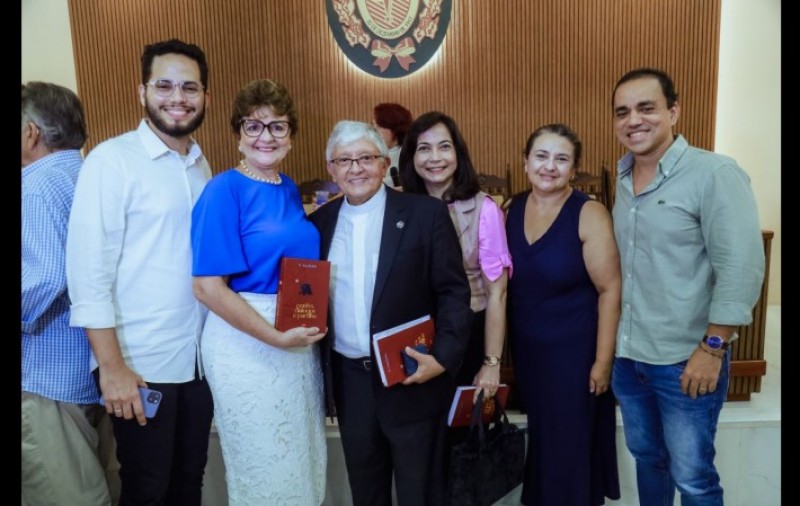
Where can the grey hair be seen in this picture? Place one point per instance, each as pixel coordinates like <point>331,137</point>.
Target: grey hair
<point>346,132</point>
<point>58,113</point>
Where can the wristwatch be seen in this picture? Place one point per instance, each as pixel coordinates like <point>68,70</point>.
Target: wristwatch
<point>716,342</point>
<point>491,360</point>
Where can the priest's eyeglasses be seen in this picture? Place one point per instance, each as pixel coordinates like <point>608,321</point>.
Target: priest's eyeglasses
<point>363,161</point>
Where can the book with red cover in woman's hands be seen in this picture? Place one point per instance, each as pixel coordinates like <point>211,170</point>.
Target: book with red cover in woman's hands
<point>391,343</point>
<point>302,299</point>
<point>461,410</point>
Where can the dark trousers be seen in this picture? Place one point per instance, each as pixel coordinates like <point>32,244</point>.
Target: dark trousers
<point>162,463</point>
<point>374,450</point>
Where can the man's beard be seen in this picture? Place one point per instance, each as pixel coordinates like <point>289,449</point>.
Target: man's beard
<point>174,130</point>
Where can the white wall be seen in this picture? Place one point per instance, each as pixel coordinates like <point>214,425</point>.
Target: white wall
<point>749,108</point>
<point>748,100</point>
<point>47,43</point>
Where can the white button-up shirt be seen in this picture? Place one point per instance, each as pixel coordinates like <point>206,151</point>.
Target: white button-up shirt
<point>353,255</point>
<point>129,255</point>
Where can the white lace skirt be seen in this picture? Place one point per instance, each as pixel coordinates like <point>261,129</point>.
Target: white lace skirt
<point>268,412</point>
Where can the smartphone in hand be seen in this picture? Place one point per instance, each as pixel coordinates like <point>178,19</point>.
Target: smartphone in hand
<point>409,363</point>
<point>151,400</point>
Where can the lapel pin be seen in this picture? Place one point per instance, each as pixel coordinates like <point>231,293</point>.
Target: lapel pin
<point>400,224</point>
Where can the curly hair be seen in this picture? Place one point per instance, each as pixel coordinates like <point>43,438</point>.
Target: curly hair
<point>174,46</point>
<point>263,93</point>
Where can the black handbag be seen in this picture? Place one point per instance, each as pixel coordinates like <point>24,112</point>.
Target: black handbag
<point>490,463</point>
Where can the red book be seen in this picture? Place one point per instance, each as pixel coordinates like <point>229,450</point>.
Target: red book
<point>390,343</point>
<point>303,294</point>
<point>461,410</point>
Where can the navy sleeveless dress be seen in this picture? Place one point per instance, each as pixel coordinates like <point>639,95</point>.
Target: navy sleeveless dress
<point>552,304</point>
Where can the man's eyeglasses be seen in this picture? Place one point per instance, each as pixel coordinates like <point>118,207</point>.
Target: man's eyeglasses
<point>363,161</point>
<point>254,128</point>
<point>166,87</point>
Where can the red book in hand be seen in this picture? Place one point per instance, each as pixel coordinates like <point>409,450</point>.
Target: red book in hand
<point>461,410</point>
<point>390,343</point>
<point>303,294</point>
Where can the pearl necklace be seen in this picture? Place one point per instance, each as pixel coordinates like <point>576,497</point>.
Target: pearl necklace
<point>250,173</point>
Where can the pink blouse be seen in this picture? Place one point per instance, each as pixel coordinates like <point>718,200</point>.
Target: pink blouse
<point>493,254</point>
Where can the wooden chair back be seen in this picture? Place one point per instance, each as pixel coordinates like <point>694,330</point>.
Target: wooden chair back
<point>597,187</point>
<point>497,187</point>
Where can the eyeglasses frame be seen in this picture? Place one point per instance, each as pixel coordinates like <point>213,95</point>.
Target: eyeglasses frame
<point>266,126</point>
<point>175,86</point>
<point>358,161</point>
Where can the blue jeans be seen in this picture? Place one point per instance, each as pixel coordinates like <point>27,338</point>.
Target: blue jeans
<point>670,435</point>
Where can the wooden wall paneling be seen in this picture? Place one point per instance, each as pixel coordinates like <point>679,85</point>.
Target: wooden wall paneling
<point>503,69</point>
<point>747,354</point>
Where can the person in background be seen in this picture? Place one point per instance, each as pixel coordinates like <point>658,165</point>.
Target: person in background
<point>267,384</point>
<point>435,161</point>
<point>392,120</point>
<point>395,258</point>
<point>563,312</point>
<point>687,227</point>
<point>129,274</point>
<point>59,414</point>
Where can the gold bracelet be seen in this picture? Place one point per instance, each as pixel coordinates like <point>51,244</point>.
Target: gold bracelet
<point>491,360</point>
<point>710,352</point>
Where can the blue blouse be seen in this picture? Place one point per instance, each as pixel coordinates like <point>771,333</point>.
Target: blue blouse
<point>242,228</point>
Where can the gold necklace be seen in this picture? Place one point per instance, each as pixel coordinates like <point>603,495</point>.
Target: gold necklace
<point>250,173</point>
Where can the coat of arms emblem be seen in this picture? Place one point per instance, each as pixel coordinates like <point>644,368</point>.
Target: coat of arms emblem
<point>389,38</point>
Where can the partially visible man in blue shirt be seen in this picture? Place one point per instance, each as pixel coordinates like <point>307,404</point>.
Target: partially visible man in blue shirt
<point>60,463</point>
<point>692,260</point>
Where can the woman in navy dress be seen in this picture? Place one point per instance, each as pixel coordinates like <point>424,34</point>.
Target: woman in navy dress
<point>563,313</point>
<point>267,384</point>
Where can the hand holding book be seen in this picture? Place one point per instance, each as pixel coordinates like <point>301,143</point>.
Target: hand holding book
<point>302,295</point>
<point>298,336</point>
<point>390,346</point>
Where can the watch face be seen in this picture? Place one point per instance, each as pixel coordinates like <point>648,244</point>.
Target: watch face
<point>715,342</point>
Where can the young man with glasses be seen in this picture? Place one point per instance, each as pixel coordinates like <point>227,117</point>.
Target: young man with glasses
<point>129,275</point>
<point>396,258</point>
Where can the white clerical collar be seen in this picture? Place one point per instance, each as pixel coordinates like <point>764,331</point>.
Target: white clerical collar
<point>374,203</point>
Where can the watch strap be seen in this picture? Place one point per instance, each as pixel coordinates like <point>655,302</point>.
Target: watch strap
<point>717,353</point>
